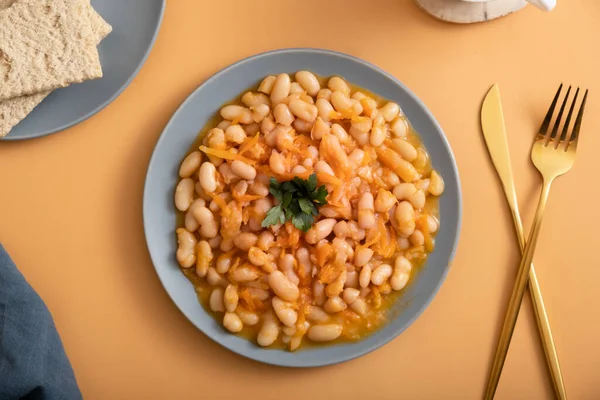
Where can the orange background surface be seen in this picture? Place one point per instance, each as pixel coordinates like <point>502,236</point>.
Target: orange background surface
<point>71,208</point>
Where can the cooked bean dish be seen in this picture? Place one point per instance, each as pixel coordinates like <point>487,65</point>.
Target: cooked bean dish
<point>305,210</point>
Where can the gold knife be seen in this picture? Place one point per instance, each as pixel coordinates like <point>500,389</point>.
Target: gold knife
<point>492,124</point>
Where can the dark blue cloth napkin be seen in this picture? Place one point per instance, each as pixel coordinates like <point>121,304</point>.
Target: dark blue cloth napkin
<point>33,363</point>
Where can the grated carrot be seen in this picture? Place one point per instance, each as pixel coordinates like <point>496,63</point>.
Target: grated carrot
<point>324,177</point>
<point>242,198</point>
<point>227,155</point>
<point>248,143</point>
<point>222,204</point>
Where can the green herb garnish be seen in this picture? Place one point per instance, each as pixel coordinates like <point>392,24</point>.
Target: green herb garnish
<point>299,200</point>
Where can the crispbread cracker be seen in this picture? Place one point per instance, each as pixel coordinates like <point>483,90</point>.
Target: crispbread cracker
<point>13,111</point>
<point>44,45</point>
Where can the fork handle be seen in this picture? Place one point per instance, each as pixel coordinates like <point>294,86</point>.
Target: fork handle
<point>540,313</point>
<point>516,298</point>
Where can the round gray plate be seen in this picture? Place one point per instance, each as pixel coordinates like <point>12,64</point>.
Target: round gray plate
<point>162,176</point>
<point>135,26</point>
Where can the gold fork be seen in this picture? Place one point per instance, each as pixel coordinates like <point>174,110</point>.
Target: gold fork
<point>553,156</point>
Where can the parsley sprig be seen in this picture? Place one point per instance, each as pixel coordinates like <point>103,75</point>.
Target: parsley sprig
<point>299,200</point>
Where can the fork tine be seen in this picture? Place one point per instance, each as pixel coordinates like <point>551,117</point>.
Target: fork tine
<point>577,126</point>
<point>565,130</point>
<point>560,114</point>
<point>544,128</point>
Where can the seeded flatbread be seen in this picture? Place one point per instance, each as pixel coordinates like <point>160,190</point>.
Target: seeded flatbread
<point>13,111</point>
<point>44,45</point>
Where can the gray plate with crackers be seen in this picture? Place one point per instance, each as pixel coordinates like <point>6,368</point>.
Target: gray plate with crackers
<point>62,61</point>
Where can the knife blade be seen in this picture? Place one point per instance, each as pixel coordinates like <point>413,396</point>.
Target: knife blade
<point>494,133</point>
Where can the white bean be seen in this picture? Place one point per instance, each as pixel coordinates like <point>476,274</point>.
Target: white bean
<point>402,269</point>
<point>298,169</point>
<point>325,109</point>
<point>259,113</point>
<point>277,162</point>
<point>267,125</point>
<point>404,190</point>
<point>267,84</point>
<point>381,274</point>
<point>251,99</point>
<point>245,240</point>
<point>184,194</point>
<point>232,322</point>
<point>324,333</point>
<point>269,330</point>
<point>216,138</point>
<point>417,199</point>
<point>320,230</point>
<point>228,175</point>
<point>223,263</point>
<point>406,150</point>
<point>283,115</point>
<point>216,300</point>
<point>365,276</point>
<point>244,274</point>
<point>352,280</point>
<point>322,166</point>
<point>265,240</point>
<point>282,286</point>
<point>319,292</point>
<point>362,124</point>
<point>366,216</point>
<point>341,102</point>
<point>186,255</point>
<point>362,256</point>
<point>385,201</point>
<point>400,127</point>
<point>417,238</point>
<point>316,314</point>
<point>338,131</point>
<point>230,298</point>
<point>378,134</point>
<point>248,317</point>
<point>359,306</point>
<point>238,113</point>
<point>336,287</point>
<point>286,265</point>
<point>296,88</point>
<point>204,257</point>
<point>432,224</point>
<point>337,84</point>
<point>281,88</point>
<point>390,111</point>
<point>208,177</point>
<point>436,184</point>
<point>303,257</point>
<point>361,138</point>
<point>309,82</point>
<point>324,94</point>
<point>286,314</point>
<point>303,126</point>
<point>305,111</point>
<point>405,218</point>
<point>350,295</point>
<point>243,170</point>
<point>235,133</point>
<point>257,257</point>
<point>334,305</point>
<point>224,124</point>
<point>190,164</point>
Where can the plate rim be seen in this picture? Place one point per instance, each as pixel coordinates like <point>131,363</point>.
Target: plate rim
<point>101,106</point>
<point>455,172</point>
